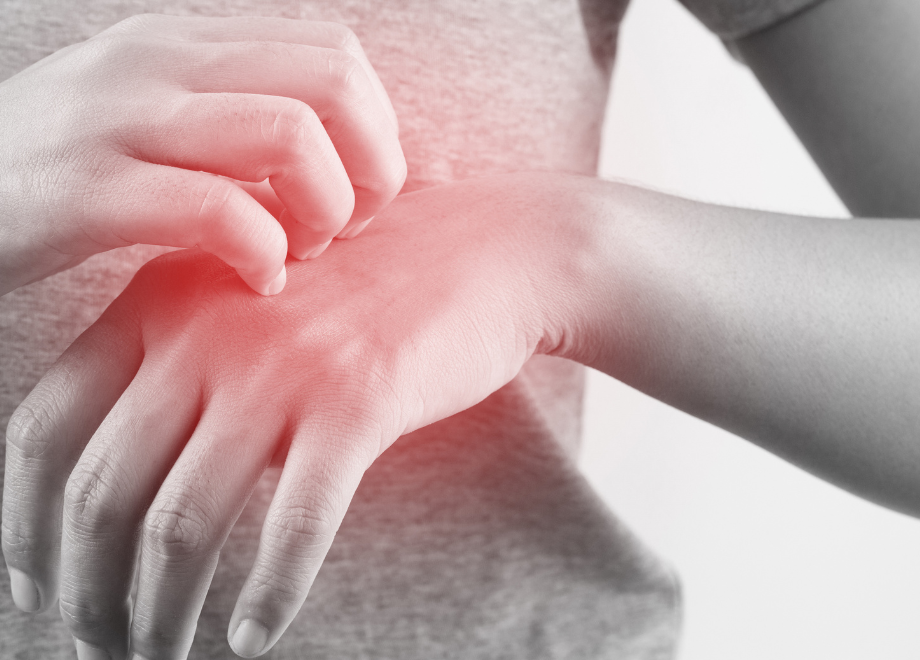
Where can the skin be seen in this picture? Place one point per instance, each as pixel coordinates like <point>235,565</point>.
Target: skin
<point>796,333</point>
<point>733,316</point>
<point>417,299</point>
<point>157,116</point>
<point>844,75</point>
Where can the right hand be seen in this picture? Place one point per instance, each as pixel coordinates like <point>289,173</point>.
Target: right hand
<point>134,136</point>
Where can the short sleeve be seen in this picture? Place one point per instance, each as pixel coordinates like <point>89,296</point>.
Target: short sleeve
<point>734,19</point>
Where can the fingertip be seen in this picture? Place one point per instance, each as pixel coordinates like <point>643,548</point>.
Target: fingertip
<point>319,250</point>
<point>25,592</point>
<point>354,230</point>
<point>87,652</point>
<point>278,283</point>
<point>250,639</point>
<point>311,253</point>
<point>274,287</point>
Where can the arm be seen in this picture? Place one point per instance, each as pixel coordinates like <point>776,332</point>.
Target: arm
<point>845,75</point>
<point>796,333</point>
<point>142,436</point>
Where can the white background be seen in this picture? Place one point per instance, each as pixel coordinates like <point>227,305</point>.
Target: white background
<point>774,564</point>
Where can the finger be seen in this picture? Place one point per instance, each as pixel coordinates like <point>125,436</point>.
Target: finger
<point>321,473</point>
<point>112,484</point>
<point>160,205</point>
<point>263,28</point>
<point>354,229</point>
<point>188,523</point>
<point>301,240</point>
<point>252,138</point>
<point>262,192</point>
<point>45,438</point>
<point>334,85</point>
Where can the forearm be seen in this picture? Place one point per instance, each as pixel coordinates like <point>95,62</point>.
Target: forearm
<point>796,333</point>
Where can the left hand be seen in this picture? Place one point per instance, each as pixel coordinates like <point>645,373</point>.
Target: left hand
<point>163,415</point>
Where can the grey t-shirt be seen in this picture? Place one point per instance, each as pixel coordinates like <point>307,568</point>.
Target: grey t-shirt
<point>476,537</point>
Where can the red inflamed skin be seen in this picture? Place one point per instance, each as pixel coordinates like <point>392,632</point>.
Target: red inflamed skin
<point>165,413</point>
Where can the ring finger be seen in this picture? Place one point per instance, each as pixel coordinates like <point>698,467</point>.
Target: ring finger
<point>189,521</point>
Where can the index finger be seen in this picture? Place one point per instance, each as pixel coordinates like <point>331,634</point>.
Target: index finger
<point>45,438</point>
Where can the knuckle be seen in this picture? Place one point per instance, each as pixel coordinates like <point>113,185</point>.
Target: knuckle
<point>138,24</point>
<point>117,41</point>
<point>217,205</point>
<point>90,499</point>
<point>176,528</point>
<point>293,128</point>
<point>343,38</point>
<point>118,51</point>
<point>30,429</point>
<point>84,615</point>
<point>284,586</point>
<point>391,179</point>
<point>341,346</point>
<point>20,543</point>
<point>302,532</point>
<point>343,73</point>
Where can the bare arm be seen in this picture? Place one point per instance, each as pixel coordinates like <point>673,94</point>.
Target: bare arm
<point>799,334</point>
<point>796,333</point>
<point>846,76</point>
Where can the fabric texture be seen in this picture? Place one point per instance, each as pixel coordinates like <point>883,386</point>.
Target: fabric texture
<point>734,19</point>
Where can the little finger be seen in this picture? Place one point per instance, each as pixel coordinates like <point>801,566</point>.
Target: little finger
<point>321,473</point>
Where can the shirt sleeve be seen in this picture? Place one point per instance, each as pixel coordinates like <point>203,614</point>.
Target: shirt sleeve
<point>734,19</point>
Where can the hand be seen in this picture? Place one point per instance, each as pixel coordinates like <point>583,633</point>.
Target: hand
<point>117,141</point>
<point>153,428</point>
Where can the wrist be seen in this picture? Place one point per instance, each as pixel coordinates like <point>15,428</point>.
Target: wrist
<point>582,277</point>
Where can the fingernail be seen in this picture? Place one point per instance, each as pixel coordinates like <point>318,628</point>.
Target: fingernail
<point>25,593</point>
<point>250,639</point>
<point>87,652</point>
<point>276,284</point>
<point>318,251</point>
<point>351,232</point>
